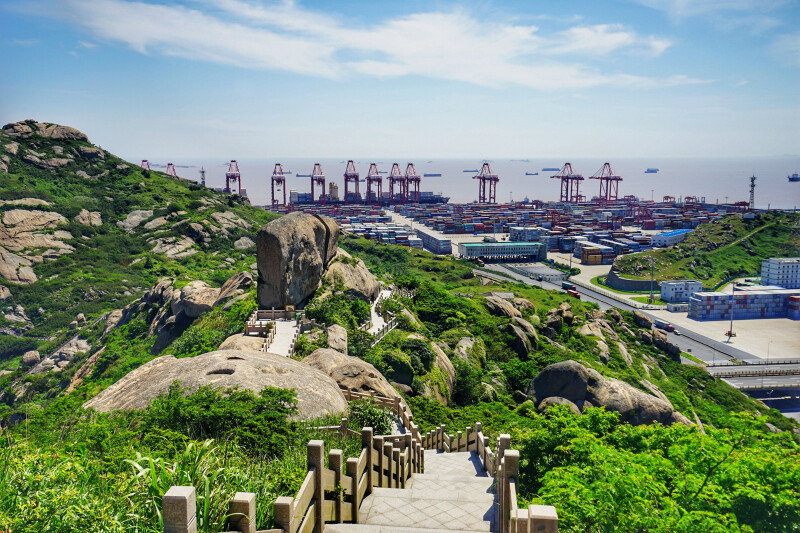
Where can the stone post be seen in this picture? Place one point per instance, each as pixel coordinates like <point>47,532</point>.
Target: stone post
<point>283,511</point>
<point>501,499</point>
<point>398,468</point>
<point>380,482</point>
<point>387,452</point>
<point>543,519</point>
<point>351,468</point>
<point>243,511</point>
<point>366,442</point>
<point>397,406</point>
<point>410,449</point>
<point>459,435</point>
<point>486,455</point>
<point>468,433</point>
<point>315,453</point>
<point>510,469</point>
<point>344,427</point>
<point>180,510</point>
<point>335,464</point>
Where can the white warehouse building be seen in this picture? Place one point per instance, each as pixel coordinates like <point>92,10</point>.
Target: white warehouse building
<point>669,238</point>
<point>679,290</point>
<point>781,271</point>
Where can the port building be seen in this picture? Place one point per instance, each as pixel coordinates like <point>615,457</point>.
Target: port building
<point>781,271</point>
<point>434,243</point>
<point>675,291</point>
<point>752,302</point>
<point>670,237</point>
<point>503,251</point>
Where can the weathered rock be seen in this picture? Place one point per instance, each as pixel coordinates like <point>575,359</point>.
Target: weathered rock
<point>174,248</point>
<point>354,274</point>
<point>73,324</point>
<point>11,148</point>
<point>522,343</point>
<point>350,373</point>
<point>661,342</point>
<point>641,320</point>
<point>244,243</point>
<point>18,129</point>
<point>411,317</point>
<point>471,350</point>
<point>58,133</point>
<point>160,293</point>
<point>545,404</point>
<point>605,354</point>
<point>567,379</point>
<point>614,315</point>
<point>156,223</point>
<point>487,393</point>
<point>90,152</point>
<point>112,319</point>
<point>519,396</point>
<point>80,318</point>
<point>293,252</point>
<point>15,268</point>
<point>240,341</point>
<point>4,292</point>
<point>623,351</point>
<point>229,220</point>
<point>84,370</point>
<point>589,329</point>
<point>236,285</point>
<point>499,307</point>
<point>580,385</point>
<point>337,338</point>
<point>443,364</point>
<point>523,303</point>
<point>317,393</point>
<point>89,218</point>
<point>31,358</point>
<point>134,218</point>
<point>194,299</point>
<point>645,337</point>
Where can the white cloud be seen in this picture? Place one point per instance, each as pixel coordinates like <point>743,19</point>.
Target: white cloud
<point>84,44</point>
<point>451,45</point>
<point>25,42</point>
<point>787,46</point>
<point>685,8</point>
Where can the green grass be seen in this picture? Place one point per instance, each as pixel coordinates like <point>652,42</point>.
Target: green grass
<point>646,300</point>
<point>599,281</point>
<point>721,250</point>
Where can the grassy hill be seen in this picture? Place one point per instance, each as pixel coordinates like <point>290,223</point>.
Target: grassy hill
<point>719,250</point>
<point>66,232</point>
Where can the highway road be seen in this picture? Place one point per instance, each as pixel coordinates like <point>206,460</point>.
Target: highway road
<point>700,346</point>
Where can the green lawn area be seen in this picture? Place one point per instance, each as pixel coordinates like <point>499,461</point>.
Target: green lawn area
<point>646,300</point>
<point>599,281</point>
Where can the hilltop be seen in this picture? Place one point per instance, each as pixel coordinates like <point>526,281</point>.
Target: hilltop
<point>83,232</point>
<point>720,250</point>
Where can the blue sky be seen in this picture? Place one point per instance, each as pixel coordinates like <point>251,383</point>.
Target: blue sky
<point>254,78</point>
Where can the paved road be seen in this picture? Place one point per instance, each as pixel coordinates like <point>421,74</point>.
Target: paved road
<point>765,382</point>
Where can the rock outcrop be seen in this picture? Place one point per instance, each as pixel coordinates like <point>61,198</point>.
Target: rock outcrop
<point>581,386</point>
<point>499,307</point>
<point>240,341</point>
<point>89,218</point>
<point>354,274</point>
<point>293,253</point>
<point>443,366</point>
<point>642,320</point>
<point>194,299</point>
<point>337,338</point>
<point>350,373</point>
<point>135,218</point>
<point>317,393</point>
<point>234,286</point>
<point>26,128</point>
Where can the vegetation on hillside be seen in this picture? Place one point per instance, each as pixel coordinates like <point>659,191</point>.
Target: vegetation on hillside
<point>720,250</point>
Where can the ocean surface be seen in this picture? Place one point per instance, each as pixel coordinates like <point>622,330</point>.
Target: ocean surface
<point>718,180</point>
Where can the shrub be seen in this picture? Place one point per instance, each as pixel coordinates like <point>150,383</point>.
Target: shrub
<point>419,350</point>
<point>367,414</point>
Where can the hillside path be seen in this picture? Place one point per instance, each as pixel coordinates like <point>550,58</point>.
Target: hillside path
<point>377,320</point>
<point>454,494</point>
<point>284,334</point>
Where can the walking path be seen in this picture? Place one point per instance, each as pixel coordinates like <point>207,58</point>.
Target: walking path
<point>377,320</point>
<point>454,494</point>
<point>284,334</point>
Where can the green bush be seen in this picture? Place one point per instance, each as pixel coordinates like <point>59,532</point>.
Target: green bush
<point>13,346</point>
<point>366,414</point>
<point>419,350</point>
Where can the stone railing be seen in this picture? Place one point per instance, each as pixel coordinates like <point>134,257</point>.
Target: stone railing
<point>334,494</point>
<point>503,465</point>
<point>381,333</point>
<point>258,325</point>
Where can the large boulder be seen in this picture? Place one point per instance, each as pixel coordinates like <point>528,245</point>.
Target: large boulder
<point>661,342</point>
<point>337,338</point>
<point>354,274</point>
<point>293,252</point>
<point>642,320</point>
<point>545,404</point>
<point>444,366</point>
<point>350,373</point>
<point>317,393</point>
<point>581,386</point>
<point>194,299</point>
<point>240,341</point>
<point>235,286</point>
<point>499,307</point>
<point>31,358</point>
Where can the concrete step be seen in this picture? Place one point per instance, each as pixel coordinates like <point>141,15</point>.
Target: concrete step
<point>367,528</point>
<point>443,481</point>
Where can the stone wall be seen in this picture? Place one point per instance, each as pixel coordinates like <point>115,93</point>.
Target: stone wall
<point>614,281</point>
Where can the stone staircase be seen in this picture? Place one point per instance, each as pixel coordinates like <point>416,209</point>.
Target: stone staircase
<point>454,494</point>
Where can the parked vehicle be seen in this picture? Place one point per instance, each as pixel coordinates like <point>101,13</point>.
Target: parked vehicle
<point>574,294</point>
<point>568,286</point>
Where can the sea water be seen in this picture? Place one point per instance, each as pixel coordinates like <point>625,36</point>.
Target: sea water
<point>718,180</point>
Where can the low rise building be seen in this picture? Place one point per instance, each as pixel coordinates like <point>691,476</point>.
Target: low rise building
<point>769,303</point>
<point>434,243</point>
<point>501,251</point>
<point>669,238</point>
<point>679,290</point>
<point>781,271</point>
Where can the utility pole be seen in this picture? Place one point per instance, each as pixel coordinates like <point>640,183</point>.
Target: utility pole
<point>652,274</point>
<point>733,301</point>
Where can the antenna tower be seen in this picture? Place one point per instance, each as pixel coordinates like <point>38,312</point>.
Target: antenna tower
<point>202,176</point>
<point>753,191</point>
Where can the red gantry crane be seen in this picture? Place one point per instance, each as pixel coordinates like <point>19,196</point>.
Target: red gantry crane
<point>412,183</point>
<point>145,164</point>
<point>669,199</point>
<point>171,170</point>
<point>395,176</point>
<point>609,184</point>
<point>233,176</point>
<point>487,185</point>
<point>570,184</point>
<point>373,176</point>
<point>318,178</point>
<point>278,179</point>
<point>350,174</point>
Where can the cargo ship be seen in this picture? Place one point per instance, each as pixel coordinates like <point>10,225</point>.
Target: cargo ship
<point>794,177</point>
